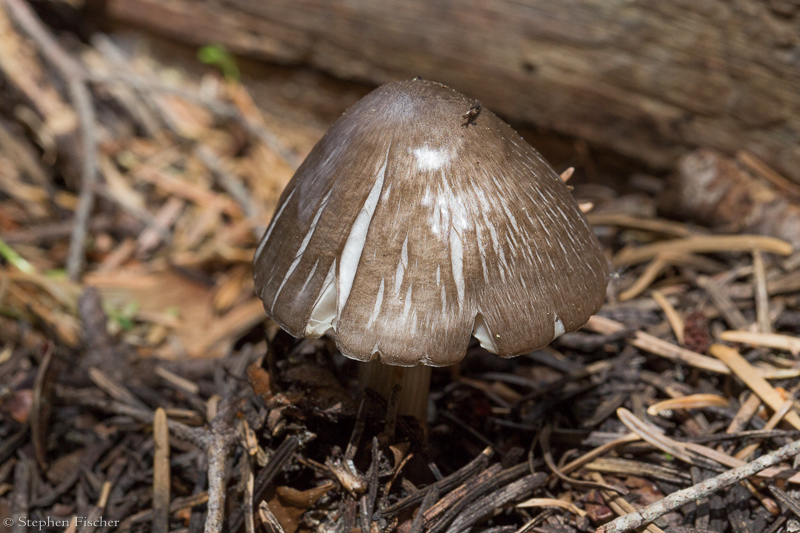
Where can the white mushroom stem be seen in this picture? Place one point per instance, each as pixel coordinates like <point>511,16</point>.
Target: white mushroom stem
<point>414,384</point>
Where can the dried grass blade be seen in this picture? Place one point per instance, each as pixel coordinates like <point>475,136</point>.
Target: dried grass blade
<point>655,225</point>
<point>785,499</point>
<point>703,244</point>
<point>759,167</point>
<point>674,319</point>
<point>651,434</point>
<point>766,340</point>
<point>657,346</point>
<point>760,289</point>
<point>693,401</point>
<point>649,343</point>
<point>552,502</point>
<point>599,451</point>
<point>647,277</point>
<point>745,453</point>
<point>784,474</point>
<point>748,374</point>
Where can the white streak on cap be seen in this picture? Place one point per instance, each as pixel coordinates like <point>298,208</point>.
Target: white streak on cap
<point>351,255</point>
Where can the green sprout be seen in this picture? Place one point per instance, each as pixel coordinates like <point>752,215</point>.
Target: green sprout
<point>218,56</point>
<point>124,317</point>
<point>56,274</point>
<point>11,255</point>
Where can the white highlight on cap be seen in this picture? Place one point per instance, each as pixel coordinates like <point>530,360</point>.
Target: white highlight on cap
<point>324,312</point>
<point>482,253</point>
<point>407,303</point>
<point>273,224</point>
<point>310,275</point>
<point>481,332</point>
<point>303,246</point>
<point>559,328</point>
<point>431,158</point>
<point>377,309</point>
<point>401,267</point>
<point>457,263</point>
<point>351,254</point>
<point>427,197</point>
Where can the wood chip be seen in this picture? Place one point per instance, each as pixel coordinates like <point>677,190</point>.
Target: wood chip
<point>161,473</point>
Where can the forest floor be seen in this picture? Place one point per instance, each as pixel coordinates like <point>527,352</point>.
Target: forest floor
<point>143,389</point>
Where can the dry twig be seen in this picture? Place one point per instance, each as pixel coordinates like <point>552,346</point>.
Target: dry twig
<point>74,75</point>
<point>701,490</point>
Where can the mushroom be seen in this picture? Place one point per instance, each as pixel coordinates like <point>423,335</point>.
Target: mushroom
<point>421,219</point>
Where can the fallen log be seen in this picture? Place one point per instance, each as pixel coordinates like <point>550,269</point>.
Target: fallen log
<point>650,80</point>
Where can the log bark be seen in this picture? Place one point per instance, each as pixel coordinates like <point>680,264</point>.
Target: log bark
<point>648,79</point>
<point>719,193</point>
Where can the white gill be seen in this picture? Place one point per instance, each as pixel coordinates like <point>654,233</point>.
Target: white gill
<point>324,312</point>
<point>559,327</point>
<point>481,332</point>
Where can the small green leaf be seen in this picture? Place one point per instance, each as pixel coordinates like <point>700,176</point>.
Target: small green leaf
<point>218,56</point>
<point>124,322</point>
<point>130,309</point>
<point>122,317</point>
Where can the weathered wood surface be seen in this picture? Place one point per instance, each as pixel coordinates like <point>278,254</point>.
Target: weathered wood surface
<point>649,79</point>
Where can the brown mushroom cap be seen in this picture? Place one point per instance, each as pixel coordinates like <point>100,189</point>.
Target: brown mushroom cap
<point>414,224</point>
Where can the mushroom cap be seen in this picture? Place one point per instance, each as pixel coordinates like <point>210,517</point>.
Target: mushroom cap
<point>413,224</point>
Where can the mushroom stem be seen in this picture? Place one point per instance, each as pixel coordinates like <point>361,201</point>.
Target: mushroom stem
<point>414,384</point>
